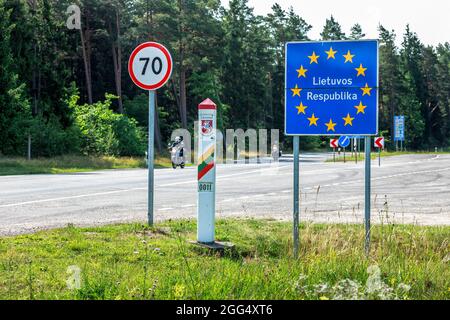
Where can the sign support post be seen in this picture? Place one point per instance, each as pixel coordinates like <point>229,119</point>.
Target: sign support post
<point>321,90</point>
<point>367,195</point>
<point>296,195</point>
<point>206,172</point>
<point>379,157</point>
<point>150,67</point>
<point>151,154</point>
<point>379,143</point>
<point>334,143</point>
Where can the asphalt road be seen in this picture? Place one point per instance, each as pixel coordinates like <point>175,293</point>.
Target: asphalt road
<point>406,189</point>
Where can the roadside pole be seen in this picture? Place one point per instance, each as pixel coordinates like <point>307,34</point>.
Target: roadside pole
<point>359,147</point>
<point>379,157</point>
<point>150,67</point>
<point>206,207</point>
<point>296,195</point>
<point>334,143</point>
<point>29,148</point>
<point>379,143</point>
<point>151,155</point>
<point>367,194</point>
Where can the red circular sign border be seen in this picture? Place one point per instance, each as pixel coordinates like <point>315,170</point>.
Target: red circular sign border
<point>169,68</point>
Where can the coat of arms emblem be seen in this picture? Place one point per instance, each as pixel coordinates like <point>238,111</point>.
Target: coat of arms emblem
<point>207,127</point>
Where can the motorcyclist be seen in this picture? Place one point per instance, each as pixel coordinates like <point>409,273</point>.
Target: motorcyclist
<point>176,149</point>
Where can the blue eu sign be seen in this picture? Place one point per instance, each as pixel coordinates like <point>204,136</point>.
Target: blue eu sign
<point>332,88</point>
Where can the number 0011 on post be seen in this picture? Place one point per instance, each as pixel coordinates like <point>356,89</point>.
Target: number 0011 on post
<point>205,187</point>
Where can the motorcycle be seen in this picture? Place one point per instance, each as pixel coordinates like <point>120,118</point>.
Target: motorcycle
<point>177,153</point>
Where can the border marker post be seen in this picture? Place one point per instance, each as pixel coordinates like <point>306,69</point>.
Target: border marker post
<point>207,115</point>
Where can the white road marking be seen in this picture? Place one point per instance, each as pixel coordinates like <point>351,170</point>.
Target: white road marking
<point>70,197</point>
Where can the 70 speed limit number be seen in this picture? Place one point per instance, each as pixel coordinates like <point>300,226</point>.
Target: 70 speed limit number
<point>150,66</point>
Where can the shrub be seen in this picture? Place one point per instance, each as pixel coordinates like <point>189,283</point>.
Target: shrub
<point>50,139</point>
<point>104,132</point>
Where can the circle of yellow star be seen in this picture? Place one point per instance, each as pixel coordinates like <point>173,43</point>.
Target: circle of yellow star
<point>301,108</point>
<point>331,53</point>
<point>313,58</point>
<point>313,120</point>
<point>361,70</point>
<point>330,125</point>
<point>360,108</point>
<point>302,72</point>
<point>348,120</point>
<point>296,91</point>
<point>348,57</point>
<point>366,90</point>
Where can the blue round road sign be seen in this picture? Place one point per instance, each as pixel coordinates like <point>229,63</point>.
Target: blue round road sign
<point>344,141</point>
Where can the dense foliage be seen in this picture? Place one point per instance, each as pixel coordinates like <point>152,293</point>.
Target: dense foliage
<point>230,55</point>
<point>103,132</point>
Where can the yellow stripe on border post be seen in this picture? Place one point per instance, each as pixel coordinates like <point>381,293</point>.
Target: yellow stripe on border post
<point>207,154</point>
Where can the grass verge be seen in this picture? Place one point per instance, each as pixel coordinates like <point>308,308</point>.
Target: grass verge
<point>136,262</point>
<point>70,164</point>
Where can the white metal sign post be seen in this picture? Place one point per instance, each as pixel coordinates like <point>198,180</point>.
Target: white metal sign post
<point>150,67</point>
<point>206,172</point>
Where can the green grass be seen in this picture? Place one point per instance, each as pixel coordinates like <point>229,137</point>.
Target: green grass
<point>135,262</point>
<point>69,164</point>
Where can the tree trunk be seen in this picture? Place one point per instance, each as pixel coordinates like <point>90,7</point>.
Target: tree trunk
<point>393,125</point>
<point>183,98</point>
<point>36,65</point>
<point>117,61</point>
<point>177,97</point>
<point>182,71</point>
<point>85,46</point>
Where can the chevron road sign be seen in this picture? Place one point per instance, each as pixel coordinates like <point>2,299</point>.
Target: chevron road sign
<point>334,143</point>
<point>379,142</point>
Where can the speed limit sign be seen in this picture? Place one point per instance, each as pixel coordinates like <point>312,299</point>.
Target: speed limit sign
<point>150,66</point>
